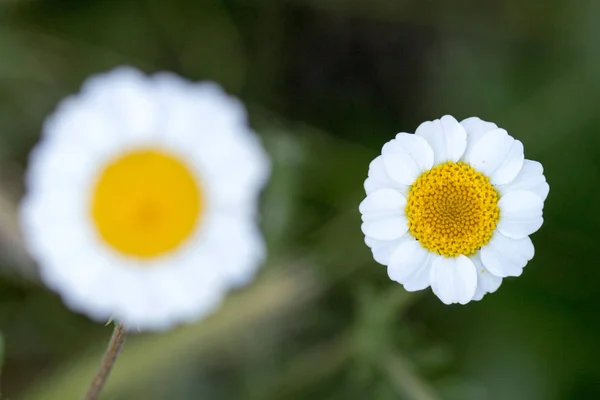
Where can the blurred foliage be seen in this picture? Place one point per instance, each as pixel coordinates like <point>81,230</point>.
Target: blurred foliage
<point>327,82</point>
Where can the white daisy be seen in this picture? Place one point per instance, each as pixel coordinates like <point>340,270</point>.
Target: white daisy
<point>452,207</point>
<point>141,199</point>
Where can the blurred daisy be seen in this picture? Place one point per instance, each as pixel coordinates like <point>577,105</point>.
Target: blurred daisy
<point>452,207</point>
<point>142,199</point>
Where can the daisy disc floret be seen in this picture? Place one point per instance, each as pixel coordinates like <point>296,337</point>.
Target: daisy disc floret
<point>141,199</point>
<point>452,207</point>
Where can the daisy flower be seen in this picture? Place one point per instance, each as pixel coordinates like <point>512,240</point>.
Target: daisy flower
<point>452,207</point>
<point>141,199</point>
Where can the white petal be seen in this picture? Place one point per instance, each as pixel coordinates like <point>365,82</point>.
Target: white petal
<point>61,164</point>
<point>207,99</point>
<point>504,256</point>
<point>486,281</point>
<point>520,213</point>
<point>380,179</point>
<point>530,178</point>
<point>165,301</point>
<point>383,215</point>
<point>210,128</point>
<point>382,249</point>
<point>235,177</point>
<point>128,96</point>
<point>204,105</point>
<point>383,201</point>
<point>446,137</point>
<point>410,264</point>
<point>498,156</point>
<point>406,157</point>
<point>386,228</point>
<point>78,122</point>
<point>237,245</point>
<point>453,280</point>
<point>475,128</point>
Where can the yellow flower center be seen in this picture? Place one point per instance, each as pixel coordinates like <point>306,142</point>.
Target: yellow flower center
<point>452,209</point>
<point>146,203</point>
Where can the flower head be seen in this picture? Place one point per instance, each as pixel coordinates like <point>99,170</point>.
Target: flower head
<point>452,207</point>
<point>142,196</point>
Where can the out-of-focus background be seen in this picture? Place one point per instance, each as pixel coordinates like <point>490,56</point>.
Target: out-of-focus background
<point>327,82</point>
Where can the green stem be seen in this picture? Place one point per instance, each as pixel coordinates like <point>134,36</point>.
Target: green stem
<point>108,361</point>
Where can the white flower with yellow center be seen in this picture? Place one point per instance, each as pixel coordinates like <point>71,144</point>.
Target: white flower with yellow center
<point>141,199</point>
<point>452,207</point>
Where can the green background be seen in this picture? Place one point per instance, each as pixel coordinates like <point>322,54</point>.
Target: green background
<point>327,82</point>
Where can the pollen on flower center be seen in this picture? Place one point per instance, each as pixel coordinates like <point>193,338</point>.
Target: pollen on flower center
<point>452,209</point>
<point>146,203</point>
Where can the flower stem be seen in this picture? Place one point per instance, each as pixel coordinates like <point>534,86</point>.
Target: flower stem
<point>108,360</point>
